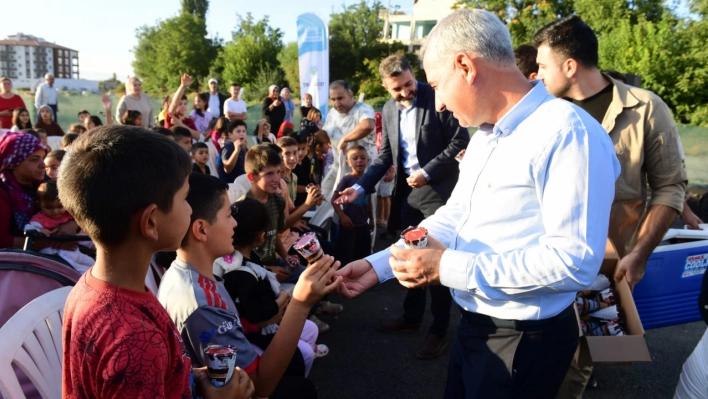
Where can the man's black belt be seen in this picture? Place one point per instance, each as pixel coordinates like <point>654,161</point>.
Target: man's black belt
<point>519,325</point>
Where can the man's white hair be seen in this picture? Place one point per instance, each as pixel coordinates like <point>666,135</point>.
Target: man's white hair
<point>472,31</point>
<point>48,75</point>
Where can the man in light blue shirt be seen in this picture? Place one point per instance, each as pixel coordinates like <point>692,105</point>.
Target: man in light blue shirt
<point>422,144</point>
<point>526,225</point>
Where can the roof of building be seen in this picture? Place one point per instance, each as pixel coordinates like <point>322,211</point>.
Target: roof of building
<point>33,43</point>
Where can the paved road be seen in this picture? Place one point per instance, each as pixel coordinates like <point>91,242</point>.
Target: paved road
<point>365,363</point>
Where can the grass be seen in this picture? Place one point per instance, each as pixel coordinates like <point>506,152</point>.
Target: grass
<point>71,104</point>
<point>693,138</point>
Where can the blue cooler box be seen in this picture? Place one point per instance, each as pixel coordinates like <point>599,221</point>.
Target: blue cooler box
<point>668,293</point>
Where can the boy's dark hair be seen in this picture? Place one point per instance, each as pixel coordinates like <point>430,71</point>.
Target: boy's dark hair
<point>56,154</point>
<point>206,196</point>
<point>570,37</point>
<point>163,131</point>
<point>96,120</point>
<point>129,117</point>
<point>235,84</point>
<point>301,137</point>
<point>260,157</point>
<point>274,147</point>
<point>252,219</point>
<point>83,111</point>
<point>180,132</point>
<point>199,146</point>
<point>127,166</point>
<point>33,132</point>
<point>68,139</point>
<point>286,141</point>
<point>47,191</point>
<point>526,59</point>
<point>356,147</point>
<point>236,123</point>
<point>77,128</point>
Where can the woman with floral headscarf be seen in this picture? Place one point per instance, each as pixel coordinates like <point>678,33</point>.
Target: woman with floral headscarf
<point>21,172</point>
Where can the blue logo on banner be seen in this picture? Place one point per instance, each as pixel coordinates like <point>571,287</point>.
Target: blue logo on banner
<point>311,34</point>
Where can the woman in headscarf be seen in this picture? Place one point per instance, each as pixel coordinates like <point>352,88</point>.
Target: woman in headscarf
<point>21,171</point>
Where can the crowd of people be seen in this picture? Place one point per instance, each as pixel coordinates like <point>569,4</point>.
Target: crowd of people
<point>517,215</point>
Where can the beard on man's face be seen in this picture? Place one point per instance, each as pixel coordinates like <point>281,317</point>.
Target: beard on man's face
<point>407,102</point>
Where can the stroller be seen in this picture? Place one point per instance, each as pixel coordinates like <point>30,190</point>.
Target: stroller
<point>26,275</point>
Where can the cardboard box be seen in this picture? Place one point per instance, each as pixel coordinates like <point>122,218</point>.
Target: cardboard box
<point>628,348</point>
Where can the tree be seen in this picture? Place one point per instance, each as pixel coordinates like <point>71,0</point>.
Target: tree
<point>175,46</point>
<point>522,17</point>
<point>290,63</point>
<point>354,35</point>
<point>255,47</point>
<point>198,8</point>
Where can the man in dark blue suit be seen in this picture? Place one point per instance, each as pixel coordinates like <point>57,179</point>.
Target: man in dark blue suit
<point>422,143</point>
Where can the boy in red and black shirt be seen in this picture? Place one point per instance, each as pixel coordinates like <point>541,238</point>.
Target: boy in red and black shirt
<point>119,342</point>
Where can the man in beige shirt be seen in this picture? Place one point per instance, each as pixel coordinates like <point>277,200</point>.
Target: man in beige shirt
<point>646,140</point>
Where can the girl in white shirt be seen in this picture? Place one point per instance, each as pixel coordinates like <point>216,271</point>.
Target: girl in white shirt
<point>20,120</point>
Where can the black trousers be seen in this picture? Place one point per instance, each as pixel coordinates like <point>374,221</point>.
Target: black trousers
<point>353,244</point>
<point>526,361</point>
<point>417,205</point>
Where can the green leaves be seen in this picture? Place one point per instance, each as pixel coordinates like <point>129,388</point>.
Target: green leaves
<point>175,46</point>
<point>254,48</point>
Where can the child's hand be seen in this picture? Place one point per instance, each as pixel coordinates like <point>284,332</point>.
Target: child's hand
<point>281,273</point>
<point>346,222</point>
<point>47,232</point>
<point>317,281</point>
<point>107,102</point>
<point>300,225</point>
<point>282,298</point>
<point>371,225</point>
<point>239,386</point>
<point>186,80</point>
<point>313,197</point>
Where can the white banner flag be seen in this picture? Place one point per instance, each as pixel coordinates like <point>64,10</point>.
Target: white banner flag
<point>313,57</point>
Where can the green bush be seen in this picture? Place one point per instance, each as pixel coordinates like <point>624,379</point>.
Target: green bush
<point>376,102</point>
<point>257,89</point>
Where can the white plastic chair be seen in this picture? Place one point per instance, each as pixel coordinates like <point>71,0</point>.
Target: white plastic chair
<point>31,340</point>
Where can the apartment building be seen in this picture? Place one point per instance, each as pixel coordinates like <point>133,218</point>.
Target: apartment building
<point>26,58</point>
<point>412,25</point>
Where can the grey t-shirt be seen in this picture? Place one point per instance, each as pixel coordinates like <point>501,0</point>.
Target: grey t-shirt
<point>204,314</point>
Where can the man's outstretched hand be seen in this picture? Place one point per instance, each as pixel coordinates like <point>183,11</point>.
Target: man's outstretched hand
<point>347,196</point>
<point>357,277</point>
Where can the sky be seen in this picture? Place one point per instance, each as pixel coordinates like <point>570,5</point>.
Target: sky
<point>104,31</point>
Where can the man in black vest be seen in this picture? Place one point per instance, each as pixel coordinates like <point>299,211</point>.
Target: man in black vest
<point>216,99</point>
<point>422,144</point>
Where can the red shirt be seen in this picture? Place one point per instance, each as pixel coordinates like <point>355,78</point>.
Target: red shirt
<point>120,343</point>
<point>189,122</point>
<point>9,103</point>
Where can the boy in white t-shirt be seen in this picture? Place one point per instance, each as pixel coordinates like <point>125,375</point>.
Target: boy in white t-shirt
<point>235,108</point>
